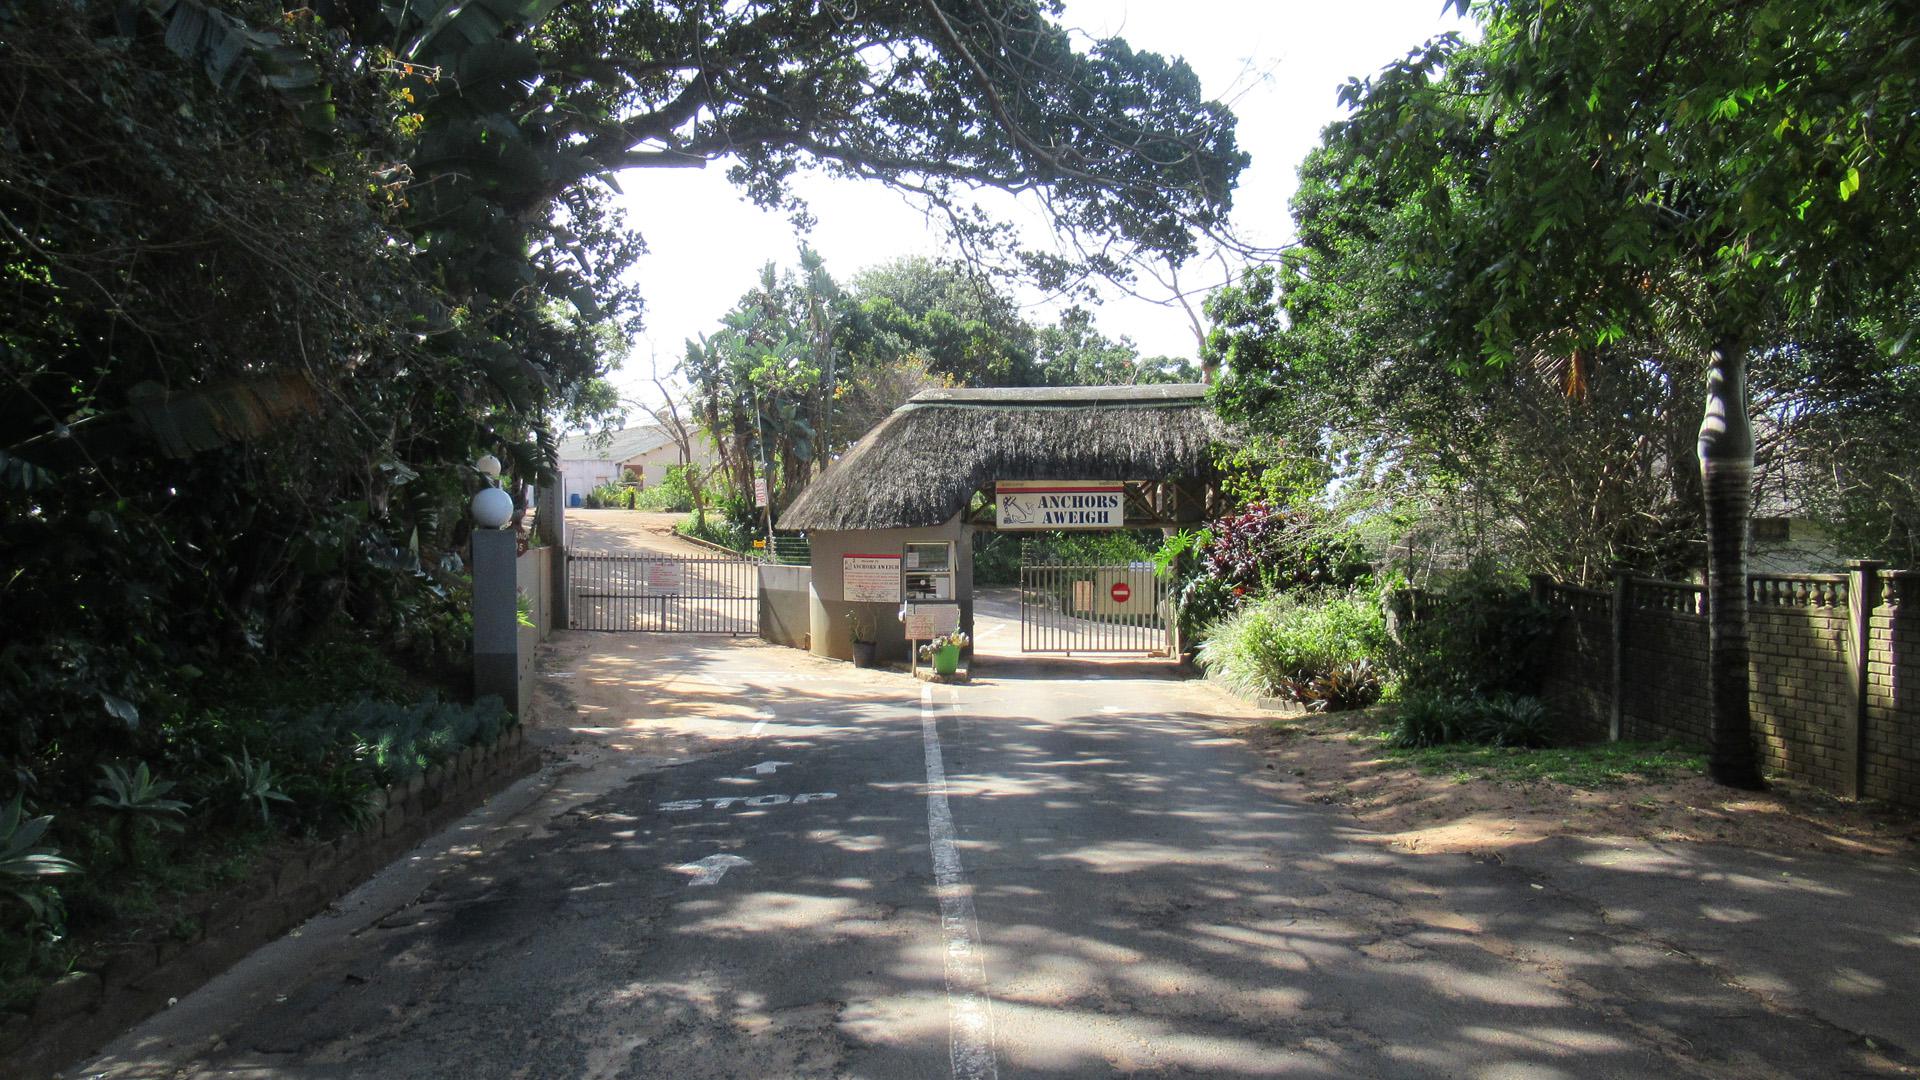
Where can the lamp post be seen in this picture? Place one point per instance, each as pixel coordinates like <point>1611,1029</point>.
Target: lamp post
<point>491,506</point>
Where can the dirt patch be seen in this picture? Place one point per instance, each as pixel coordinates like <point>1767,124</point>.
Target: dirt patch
<point>1341,760</point>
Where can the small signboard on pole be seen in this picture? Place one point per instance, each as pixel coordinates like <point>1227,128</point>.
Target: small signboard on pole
<point>924,622</point>
<point>759,491</point>
<point>928,621</point>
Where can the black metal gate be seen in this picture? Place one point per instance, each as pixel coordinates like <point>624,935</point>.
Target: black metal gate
<point>663,593</point>
<point>1093,609</point>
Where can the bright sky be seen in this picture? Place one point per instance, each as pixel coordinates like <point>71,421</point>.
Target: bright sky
<point>1278,63</point>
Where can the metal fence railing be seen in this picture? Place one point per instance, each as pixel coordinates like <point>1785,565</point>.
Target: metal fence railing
<point>790,550</point>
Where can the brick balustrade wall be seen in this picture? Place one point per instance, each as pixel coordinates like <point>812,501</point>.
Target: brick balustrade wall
<point>1579,684</point>
<point>1802,705</point>
<point>1823,712</point>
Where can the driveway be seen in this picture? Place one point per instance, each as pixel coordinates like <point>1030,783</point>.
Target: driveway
<point>630,532</point>
<point>749,862</point>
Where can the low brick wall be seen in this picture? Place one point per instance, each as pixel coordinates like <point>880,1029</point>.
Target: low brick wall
<point>1579,680</point>
<point>1829,710</point>
<point>1664,675</point>
<point>117,989</point>
<point>784,604</point>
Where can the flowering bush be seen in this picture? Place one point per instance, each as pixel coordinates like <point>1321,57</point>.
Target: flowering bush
<point>1277,549</point>
<point>1261,550</point>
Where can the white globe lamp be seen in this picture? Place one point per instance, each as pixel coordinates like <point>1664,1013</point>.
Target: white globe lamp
<point>488,465</point>
<point>492,507</point>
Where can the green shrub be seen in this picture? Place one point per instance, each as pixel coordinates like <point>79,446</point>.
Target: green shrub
<point>27,867</point>
<point>731,535</point>
<point>731,519</point>
<point>400,741</point>
<point>998,556</point>
<point>1203,600</point>
<point>1353,685</point>
<point>137,799</point>
<point>250,785</point>
<point>1266,548</point>
<point>1097,548</point>
<point>1268,645</point>
<point>1517,720</point>
<point>1479,635</point>
<point>612,496</point>
<point>670,495</point>
<point>1430,718</point>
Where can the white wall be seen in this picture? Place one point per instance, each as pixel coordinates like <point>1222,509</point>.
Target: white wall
<point>581,475</point>
<point>653,464</point>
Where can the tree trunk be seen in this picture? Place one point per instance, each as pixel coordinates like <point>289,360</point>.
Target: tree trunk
<point>1726,476</point>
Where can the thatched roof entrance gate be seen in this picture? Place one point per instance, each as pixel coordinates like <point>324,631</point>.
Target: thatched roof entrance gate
<point>941,453</point>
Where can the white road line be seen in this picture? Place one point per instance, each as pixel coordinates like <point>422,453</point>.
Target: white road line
<point>760,724</point>
<point>969,1010</point>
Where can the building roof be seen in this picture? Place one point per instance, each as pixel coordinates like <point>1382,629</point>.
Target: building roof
<point>616,446</point>
<point>921,465</point>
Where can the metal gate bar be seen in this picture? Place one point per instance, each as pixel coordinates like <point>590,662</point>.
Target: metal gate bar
<point>663,594</point>
<point>1093,609</point>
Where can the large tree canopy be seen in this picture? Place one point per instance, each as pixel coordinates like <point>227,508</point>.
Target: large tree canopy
<point>934,96</point>
<point>273,273</point>
<point>1698,175</point>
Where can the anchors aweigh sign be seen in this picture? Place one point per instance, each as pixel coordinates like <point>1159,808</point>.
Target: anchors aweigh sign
<point>1059,504</point>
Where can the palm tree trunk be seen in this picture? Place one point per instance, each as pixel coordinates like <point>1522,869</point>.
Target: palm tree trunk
<point>1726,476</point>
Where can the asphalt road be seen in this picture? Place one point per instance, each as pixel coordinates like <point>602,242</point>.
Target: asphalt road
<point>1063,870</point>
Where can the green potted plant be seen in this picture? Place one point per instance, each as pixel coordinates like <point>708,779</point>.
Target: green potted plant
<point>944,652</point>
<point>860,628</point>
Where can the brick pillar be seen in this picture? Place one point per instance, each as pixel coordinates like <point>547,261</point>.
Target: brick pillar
<point>1863,595</point>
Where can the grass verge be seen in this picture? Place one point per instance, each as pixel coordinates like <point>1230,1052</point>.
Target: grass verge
<point>1598,766</point>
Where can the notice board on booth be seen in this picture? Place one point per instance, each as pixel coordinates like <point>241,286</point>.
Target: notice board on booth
<point>873,579</point>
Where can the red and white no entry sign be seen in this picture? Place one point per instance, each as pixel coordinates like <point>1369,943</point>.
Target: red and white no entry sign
<point>1120,592</point>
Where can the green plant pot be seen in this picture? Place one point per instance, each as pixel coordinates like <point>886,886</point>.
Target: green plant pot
<point>946,660</point>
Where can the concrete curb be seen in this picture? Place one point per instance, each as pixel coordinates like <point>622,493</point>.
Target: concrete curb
<point>113,991</point>
<point>1277,706</point>
<point>711,546</point>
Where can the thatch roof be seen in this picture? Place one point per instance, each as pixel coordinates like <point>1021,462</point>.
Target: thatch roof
<point>923,463</point>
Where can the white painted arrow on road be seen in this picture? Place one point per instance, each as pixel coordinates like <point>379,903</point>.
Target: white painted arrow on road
<point>766,767</point>
<point>710,870</point>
